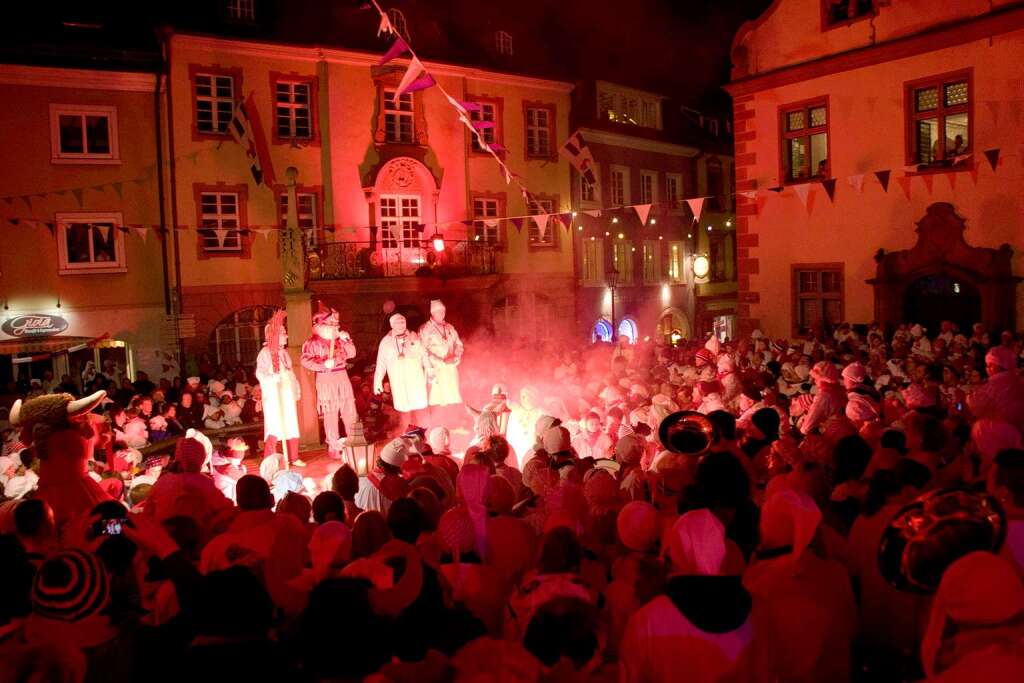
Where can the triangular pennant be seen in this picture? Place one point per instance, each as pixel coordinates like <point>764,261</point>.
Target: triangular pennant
<point>422,83</point>
<point>760,202</point>
<point>928,180</point>
<point>696,205</point>
<point>265,232</point>
<point>79,194</point>
<point>481,125</point>
<point>993,157</point>
<point>566,219</point>
<point>801,191</point>
<point>496,148</point>
<point>104,231</point>
<point>904,181</point>
<point>777,189</point>
<point>397,48</point>
<point>541,220</point>
<point>414,70</point>
<point>951,177</point>
<point>518,222</point>
<point>118,188</point>
<point>830,188</point>
<point>642,211</point>
<point>454,102</point>
<point>593,213</point>
<point>467,105</point>
<point>52,227</point>
<point>883,179</point>
<point>28,201</point>
<point>385,25</point>
<point>221,235</point>
<point>811,196</point>
<point>142,232</point>
<point>974,174</point>
<point>749,194</point>
<point>857,181</point>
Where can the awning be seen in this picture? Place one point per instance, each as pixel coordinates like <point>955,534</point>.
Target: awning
<point>10,347</point>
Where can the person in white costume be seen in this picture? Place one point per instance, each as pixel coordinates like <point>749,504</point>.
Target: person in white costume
<point>444,350</point>
<point>403,359</point>
<point>280,389</point>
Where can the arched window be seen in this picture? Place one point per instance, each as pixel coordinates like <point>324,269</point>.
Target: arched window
<point>398,22</point>
<point>239,337</point>
<point>627,328</point>
<point>602,331</point>
<point>503,41</point>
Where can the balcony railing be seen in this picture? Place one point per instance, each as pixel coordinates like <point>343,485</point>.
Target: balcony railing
<point>356,260</point>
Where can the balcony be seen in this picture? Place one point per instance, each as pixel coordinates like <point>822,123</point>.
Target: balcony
<point>363,260</point>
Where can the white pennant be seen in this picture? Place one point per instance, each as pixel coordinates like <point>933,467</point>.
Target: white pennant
<point>542,224</point>
<point>857,181</point>
<point>749,194</point>
<point>642,211</point>
<point>265,232</point>
<point>801,192</point>
<point>385,25</point>
<point>221,234</point>
<point>455,103</point>
<point>142,232</point>
<point>593,213</point>
<point>104,231</point>
<point>696,206</point>
<point>411,74</point>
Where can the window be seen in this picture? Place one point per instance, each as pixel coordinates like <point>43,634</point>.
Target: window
<point>239,337</point>
<point>938,113</point>
<point>652,261</point>
<point>630,107</point>
<point>491,111</point>
<point>673,189</point>
<point>593,263</point>
<point>648,187</point>
<point>220,225</point>
<point>837,12</point>
<point>485,224</point>
<point>720,254</point>
<point>242,10</point>
<point>588,190</point>
<point>805,141</point>
<point>817,297</point>
<point>214,102</point>
<point>503,42</point>
<point>293,110</point>
<point>540,131</point>
<point>307,212</point>
<point>542,206</point>
<point>676,262</point>
<point>398,22</point>
<point>83,134</point>
<point>622,262</point>
<point>716,184</point>
<point>400,221</point>
<point>620,187</point>
<point>90,243</point>
<point>399,127</point>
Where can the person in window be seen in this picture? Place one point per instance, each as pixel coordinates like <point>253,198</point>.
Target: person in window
<point>822,171</point>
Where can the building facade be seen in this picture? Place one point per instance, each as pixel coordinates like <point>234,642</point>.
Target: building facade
<point>77,282</point>
<point>637,277</point>
<point>878,164</point>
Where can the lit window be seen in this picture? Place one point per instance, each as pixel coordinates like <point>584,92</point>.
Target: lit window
<point>306,205</point>
<point>242,10</point>
<point>485,225</point>
<point>648,185</point>
<point>593,263</point>
<point>542,206</point>
<point>842,11</point>
<point>503,42</point>
<point>83,134</point>
<point>400,221</point>
<point>629,107</point>
<point>619,189</point>
<point>818,299</point>
<point>398,22</point>
<point>294,110</point>
<point>215,103</point>
<point>487,112</point>
<point>676,267</point>
<point>219,216</point>
<point>90,243</point>
<point>539,131</point>
<point>805,142</point>
<point>622,261</point>
<point>938,112</point>
<point>399,127</point>
<point>652,261</point>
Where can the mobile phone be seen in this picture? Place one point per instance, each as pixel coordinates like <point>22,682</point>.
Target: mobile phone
<point>113,527</point>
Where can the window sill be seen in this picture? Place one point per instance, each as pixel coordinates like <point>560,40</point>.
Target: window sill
<point>799,181</point>
<point>91,161</point>
<point>543,247</point>
<point>540,157</point>
<point>941,167</point>
<point>826,26</point>
<point>297,142</point>
<point>112,270</point>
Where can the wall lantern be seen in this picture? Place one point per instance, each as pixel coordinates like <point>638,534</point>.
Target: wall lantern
<point>701,267</point>
<point>438,243</point>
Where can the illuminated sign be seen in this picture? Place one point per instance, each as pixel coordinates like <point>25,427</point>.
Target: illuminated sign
<point>34,325</point>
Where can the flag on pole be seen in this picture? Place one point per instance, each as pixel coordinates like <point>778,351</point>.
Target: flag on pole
<point>579,155</point>
<point>245,128</point>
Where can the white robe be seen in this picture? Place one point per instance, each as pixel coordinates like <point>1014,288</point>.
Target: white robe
<point>280,392</point>
<point>406,371</point>
<point>442,341</point>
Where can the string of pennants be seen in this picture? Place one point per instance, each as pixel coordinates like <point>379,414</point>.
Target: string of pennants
<point>91,343</point>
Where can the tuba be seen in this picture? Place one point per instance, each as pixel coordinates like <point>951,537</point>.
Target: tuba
<point>687,432</point>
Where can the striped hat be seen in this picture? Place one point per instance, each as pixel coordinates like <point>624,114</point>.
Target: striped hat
<point>70,586</point>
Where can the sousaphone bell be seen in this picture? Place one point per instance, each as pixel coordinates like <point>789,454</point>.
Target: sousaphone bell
<point>687,432</point>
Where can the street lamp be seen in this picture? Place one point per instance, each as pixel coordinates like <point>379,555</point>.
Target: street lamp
<point>613,280</point>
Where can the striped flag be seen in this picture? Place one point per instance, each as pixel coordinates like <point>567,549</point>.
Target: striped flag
<point>246,130</point>
<point>578,153</point>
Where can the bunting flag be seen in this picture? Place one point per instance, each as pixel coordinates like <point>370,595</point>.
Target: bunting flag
<point>993,157</point>
<point>541,220</point>
<point>104,231</point>
<point>883,179</point>
<point>412,73</point>
<point>422,83</point>
<point>518,222</point>
<point>118,188</point>
<point>566,219</point>
<point>221,235</point>
<point>245,128</point>
<point>28,200</point>
<point>385,25</point>
<point>904,181</point>
<point>482,125</point>
<point>802,190</point>
<point>749,194</point>
<point>974,174</point>
<point>830,188</point>
<point>857,182</point>
<point>593,213</point>
<point>951,177</point>
<point>397,49</point>
<point>642,211</point>
<point>777,189</point>
<point>928,180</point>
<point>696,206</point>
<point>142,232</point>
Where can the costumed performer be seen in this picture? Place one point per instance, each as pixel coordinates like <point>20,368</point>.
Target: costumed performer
<point>280,390</point>
<point>326,353</point>
<point>444,350</point>
<point>403,359</point>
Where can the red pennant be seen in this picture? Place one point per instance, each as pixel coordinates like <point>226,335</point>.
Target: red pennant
<point>904,181</point>
<point>993,157</point>
<point>928,179</point>
<point>951,177</point>
<point>974,174</point>
<point>830,188</point>
<point>883,179</point>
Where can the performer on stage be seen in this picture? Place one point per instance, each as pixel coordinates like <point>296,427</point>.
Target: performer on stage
<point>280,390</point>
<point>325,353</point>
<point>403,359</point>
<point>444,350</point>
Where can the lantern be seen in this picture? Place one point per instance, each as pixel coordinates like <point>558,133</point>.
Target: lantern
<point>357,448</point>
<point>701,266</point>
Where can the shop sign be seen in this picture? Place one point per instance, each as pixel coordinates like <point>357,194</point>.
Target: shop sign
<point>34,325</point>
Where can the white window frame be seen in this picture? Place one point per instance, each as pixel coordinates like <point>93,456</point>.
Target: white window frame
<point>83,110</point>
<point>214,99</point>
<point>308,222</point>
<point>651,262</point>
<point>670,180</point>
<point>592,264</point>
<point>291,109</point>
<point>488,112</point>
<point>595,189</point>
<point>242,10</point>
<point>485,220</point>
<point>622,255</point>
<point>233,239</point>
<point>628,107</point>
<point>648,187</point>
<point>620,194</point>
<point>65,220</point>
<point>541,206</point>
<point>503,43</point>
<point>395,110</point>
<point>676,262</point>
<point>401,228</point>
<point>540,134</point>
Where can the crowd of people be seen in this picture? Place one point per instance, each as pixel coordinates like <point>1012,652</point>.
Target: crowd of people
<point>840,507</point>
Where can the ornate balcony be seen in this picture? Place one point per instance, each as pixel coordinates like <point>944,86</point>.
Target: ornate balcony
<point>360,260</point>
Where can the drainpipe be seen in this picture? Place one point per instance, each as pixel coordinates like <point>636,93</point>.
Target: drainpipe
<point>160,191</point>
<point>324,111</point>
<point>165,41</point>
